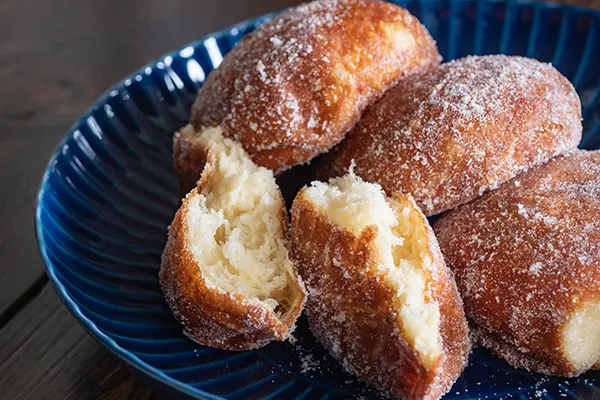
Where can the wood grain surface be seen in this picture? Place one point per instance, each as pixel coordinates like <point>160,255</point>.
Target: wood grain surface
<point>56,57</point>
<point>44,354</point>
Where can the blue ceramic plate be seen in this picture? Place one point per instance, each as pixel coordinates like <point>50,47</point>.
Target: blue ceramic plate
<point>109,193</point>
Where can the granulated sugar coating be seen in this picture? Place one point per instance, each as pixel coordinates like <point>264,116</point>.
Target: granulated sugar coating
<point>381,300</point>
<point>309,363</point>
<point>225,271</point>
<point>292,89</point>
<point>466,127</point>
<point>527,262</point>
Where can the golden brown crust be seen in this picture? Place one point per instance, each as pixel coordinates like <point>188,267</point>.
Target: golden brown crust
<point>448,135</point>
<point>189,159</point>
<point>453,324</point>
<point>525,258</point>
<point>211,316</point>
<point>292,89</point>
<point>351,312</point>
<point>517,357</point>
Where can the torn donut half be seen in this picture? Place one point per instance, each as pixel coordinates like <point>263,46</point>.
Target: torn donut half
<point>381,299</point>
<point>226,272</point>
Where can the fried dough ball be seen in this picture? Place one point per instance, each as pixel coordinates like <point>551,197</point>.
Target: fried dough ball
<point>451,134</point>
<point>526,259</point>
<point>292,89</point>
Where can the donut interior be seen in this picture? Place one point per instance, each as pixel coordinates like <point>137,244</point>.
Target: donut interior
<point>236,227</point>
<point>402,246</point>
<point>581,336</point>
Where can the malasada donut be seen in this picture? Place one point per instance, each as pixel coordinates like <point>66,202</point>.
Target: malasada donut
<point>293,88</point>
<point>527,262</point>
<point>381,300</point>
<point>449,135</point>
<point>226,273</point>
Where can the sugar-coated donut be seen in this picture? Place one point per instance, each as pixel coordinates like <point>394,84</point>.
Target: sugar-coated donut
<point>527,262</point>
<point>449,135</point>
<point>291,89</point>
<point>225,272</point>
<point>381,300</point>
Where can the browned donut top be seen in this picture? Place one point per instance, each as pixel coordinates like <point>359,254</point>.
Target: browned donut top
<point>292,89</point>
<point>450,134</point>
<point>528,254</point>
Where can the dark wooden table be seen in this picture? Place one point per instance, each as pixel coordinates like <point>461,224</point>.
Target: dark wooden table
<point>56,57</point>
